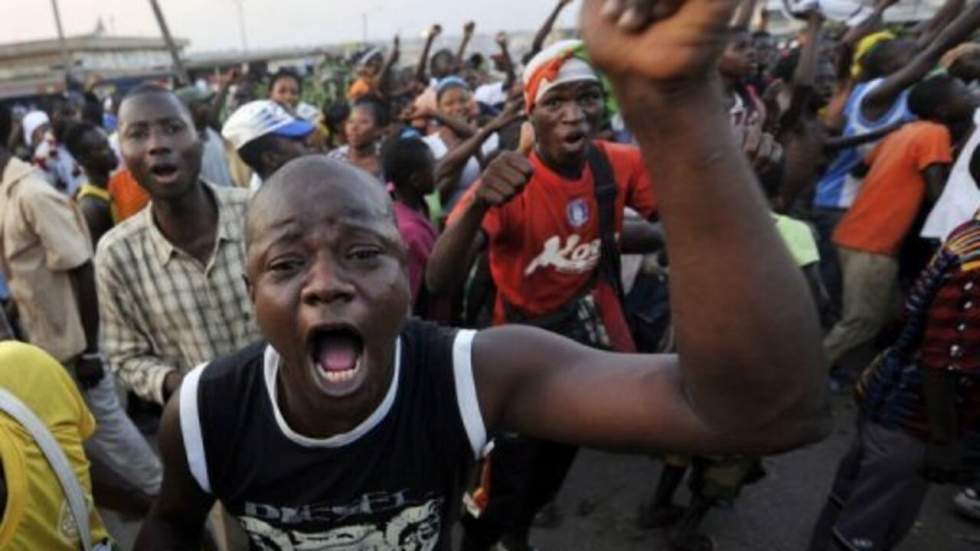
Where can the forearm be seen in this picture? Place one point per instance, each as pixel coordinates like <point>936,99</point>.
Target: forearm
<point>454,161</point>
<point>640,237</point>
<point>511,76</point>
<point>144,374</point>
<point>421,74</point>
<point>461,53</point>
<point>761,327</point>
<point>945,14</point>
<point>217,106</point>
<point>83,281</point>
<point>805,75</point>
<point>460,127</point>
<point>544,31</point>
<point>444,271</point>
<point>833,145</point>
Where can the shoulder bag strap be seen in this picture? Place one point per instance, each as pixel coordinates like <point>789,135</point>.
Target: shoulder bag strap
<point>605,196</point>
<point>12,406</point>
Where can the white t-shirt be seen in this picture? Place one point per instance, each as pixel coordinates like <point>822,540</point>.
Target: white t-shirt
<point>491,94</point>
<point>960,198</point>
<point>471,172</point>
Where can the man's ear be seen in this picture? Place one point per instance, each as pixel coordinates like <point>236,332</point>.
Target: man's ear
<point>249,288</point>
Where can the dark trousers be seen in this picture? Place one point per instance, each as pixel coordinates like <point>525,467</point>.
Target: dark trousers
<point>876,494</point>
<point>525,475</point>
<point>826,220</point>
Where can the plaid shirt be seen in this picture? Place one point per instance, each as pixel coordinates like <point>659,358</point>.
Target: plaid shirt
<point>161,310</point>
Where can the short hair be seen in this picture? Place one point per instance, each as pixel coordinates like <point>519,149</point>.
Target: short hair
<point>251,153</point>
<point>92,110</point>
<point>6,123</point>
<point>378,108</point>
<point>74,136</point>
<point>144,89</point>
<point>335,112</point>
<point>401,158</point>
<point>927,97</point>
<point>450,83</point>
<point>880,60</point>
<point>150,89</point>
<point>282,73</point>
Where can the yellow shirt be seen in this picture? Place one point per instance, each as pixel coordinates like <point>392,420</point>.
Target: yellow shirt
<point>37,515</point>
<point>799,239</point>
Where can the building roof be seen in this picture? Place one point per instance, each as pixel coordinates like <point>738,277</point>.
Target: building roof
<point>83,43</point>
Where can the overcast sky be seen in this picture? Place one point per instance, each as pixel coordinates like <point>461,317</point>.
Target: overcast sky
<point>214,24</point>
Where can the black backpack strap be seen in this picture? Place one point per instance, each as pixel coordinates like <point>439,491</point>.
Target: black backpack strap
<point>610,265</point>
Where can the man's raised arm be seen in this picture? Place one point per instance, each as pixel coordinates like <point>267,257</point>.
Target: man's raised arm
<point>750,374</point>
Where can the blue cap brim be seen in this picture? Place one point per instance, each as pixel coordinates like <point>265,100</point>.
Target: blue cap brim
<point>295,129</point>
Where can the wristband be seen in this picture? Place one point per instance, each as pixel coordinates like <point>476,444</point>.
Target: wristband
<point>88,356</point>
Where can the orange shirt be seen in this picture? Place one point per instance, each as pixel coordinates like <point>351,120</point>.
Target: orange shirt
<point>893,190</point>
<point>358,89</point>
<point>544,243</point>
<point>128,197</point>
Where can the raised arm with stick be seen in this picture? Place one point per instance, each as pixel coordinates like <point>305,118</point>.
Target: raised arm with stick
<point>468,29</point>
<point>506,62</point>
<point>422,72</point>
<point>545,30</point>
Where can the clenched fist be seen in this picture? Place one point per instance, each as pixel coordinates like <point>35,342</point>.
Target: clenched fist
<point>503,179</point>
<point>658,40</point>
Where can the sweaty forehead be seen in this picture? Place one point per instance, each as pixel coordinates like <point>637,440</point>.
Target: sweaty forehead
<point>313,190</point>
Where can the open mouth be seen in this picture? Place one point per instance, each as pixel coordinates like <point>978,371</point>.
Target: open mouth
<point>336,353</point>
<point>164,172</point>
<point>574,139</point>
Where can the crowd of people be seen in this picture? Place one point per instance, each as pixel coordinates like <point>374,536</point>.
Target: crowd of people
<point>667,233</point>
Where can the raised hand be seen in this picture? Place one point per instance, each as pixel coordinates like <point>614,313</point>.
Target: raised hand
<point>502,39</point>
<point>433,31</point>
<point>469,27</point>
<point>504,178</point>
<point>511,112</point>
<point>659,40</point>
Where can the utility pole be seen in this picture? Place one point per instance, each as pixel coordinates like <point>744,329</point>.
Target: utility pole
<point>241,24</point>
<point>174,54</point>
<point>62,43</point>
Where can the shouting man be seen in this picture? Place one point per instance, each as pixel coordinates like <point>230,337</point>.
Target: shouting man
<point>353,425</point>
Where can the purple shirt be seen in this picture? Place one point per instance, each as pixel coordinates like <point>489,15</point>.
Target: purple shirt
<point>419,237</point>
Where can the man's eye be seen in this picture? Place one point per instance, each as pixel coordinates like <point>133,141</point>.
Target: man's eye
<point>364,253</point>
<point>285,265</point>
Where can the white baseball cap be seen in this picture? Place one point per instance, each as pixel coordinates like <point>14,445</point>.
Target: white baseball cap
<point>262,117</point>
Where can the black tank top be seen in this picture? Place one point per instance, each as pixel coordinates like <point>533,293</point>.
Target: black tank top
<point>394,482</point>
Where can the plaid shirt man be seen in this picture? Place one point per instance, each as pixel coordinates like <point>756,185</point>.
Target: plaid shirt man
<point>161,310</point>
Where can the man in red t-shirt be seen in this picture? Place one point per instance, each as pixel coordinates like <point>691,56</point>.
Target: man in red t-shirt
<point>909,165</point>
<point>543,241</point>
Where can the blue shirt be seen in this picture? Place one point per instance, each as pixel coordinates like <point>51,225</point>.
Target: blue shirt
<point>837,188</point>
